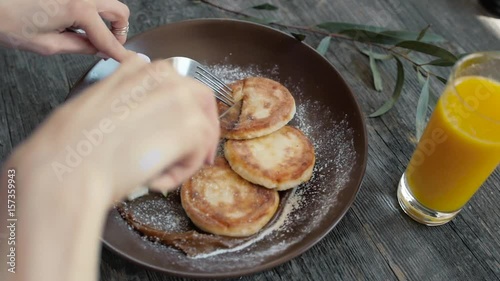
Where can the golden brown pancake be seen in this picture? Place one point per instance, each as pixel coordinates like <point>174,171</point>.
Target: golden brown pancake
<point>162,219</point>
<point>219,201</point>
<point>281,160</point>
<point>265,106</point>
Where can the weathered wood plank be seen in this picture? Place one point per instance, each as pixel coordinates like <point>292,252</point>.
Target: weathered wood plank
<point>375,241</point>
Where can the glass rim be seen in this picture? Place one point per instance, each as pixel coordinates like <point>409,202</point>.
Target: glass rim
<point>453,78</point>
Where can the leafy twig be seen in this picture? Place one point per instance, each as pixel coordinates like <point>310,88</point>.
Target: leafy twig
<point>397,44</point>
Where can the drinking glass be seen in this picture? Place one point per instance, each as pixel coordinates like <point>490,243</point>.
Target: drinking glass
<point>460,147</point>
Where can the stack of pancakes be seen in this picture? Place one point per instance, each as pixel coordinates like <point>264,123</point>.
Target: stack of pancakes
<point>238,195</point>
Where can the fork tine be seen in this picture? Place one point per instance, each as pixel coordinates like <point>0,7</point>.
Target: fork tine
<point>216,79</point>
<point>223,91</point>
<point>218,93</point>
<point>191,68</point>
<point>224,100</point>
<point>226,91</point>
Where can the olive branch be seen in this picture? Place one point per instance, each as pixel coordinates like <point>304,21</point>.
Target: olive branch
<point>396,45</point>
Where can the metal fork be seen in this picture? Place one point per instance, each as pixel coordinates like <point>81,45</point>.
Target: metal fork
<point>189,67</point>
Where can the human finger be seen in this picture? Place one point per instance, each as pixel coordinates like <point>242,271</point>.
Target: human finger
<point>176,174</point>
<point>118,14</point>
<point>209,106</point>
<point>136,69</point>
<point>100,35</point>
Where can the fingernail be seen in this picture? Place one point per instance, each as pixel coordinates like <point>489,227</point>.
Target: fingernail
<point>144,57</point>
<point>102,55</point>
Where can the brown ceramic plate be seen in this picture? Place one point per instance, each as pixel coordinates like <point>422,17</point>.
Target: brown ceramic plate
<point>326,111</point>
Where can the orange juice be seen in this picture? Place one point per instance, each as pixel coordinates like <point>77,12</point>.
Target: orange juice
<point>460,146</point>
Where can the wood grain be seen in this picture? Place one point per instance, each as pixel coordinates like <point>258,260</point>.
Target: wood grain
<point>375,240</point>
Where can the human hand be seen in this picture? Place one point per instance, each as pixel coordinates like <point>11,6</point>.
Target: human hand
<point>41,26</point>
<point>144,124</point>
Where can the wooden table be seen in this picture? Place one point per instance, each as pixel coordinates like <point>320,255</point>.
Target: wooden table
<point>375,240</point>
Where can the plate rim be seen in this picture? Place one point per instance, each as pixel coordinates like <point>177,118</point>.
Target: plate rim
<point>283,258</point>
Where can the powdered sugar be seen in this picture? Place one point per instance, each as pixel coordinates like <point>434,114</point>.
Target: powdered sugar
<point>230,73</point>
<point>335,157</point>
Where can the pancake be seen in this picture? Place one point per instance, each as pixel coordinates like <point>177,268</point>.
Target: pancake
<point>162,219</point>
<point>219,201</point>
<point>281,160</point>
<point>264,106</point>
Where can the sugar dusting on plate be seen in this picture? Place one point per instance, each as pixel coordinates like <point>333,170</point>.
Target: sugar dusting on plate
<point>335,158</point>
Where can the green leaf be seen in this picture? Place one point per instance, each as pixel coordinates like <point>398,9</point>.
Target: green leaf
<point>377,80</point>
<point>443,80</point>
<point>441,62</point>
<point>267,7</point>
<point>388,38</point>
<point>378,34</point>
<point>396,94</point>
<point>433,99</point>
<point>298,36</point>
<point>422,105</point>
<point>432,95</point>
<point>429,49</point>
<point>261,20</point>
<point>377,56</point>
<point>419,38</point>
<point>323,45</point>
<point>421,77</point>
<point>409,35</point>
<point>336,27</point>
<point>373,37</point>
<point>423,32</point>
<point>463,55</point>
